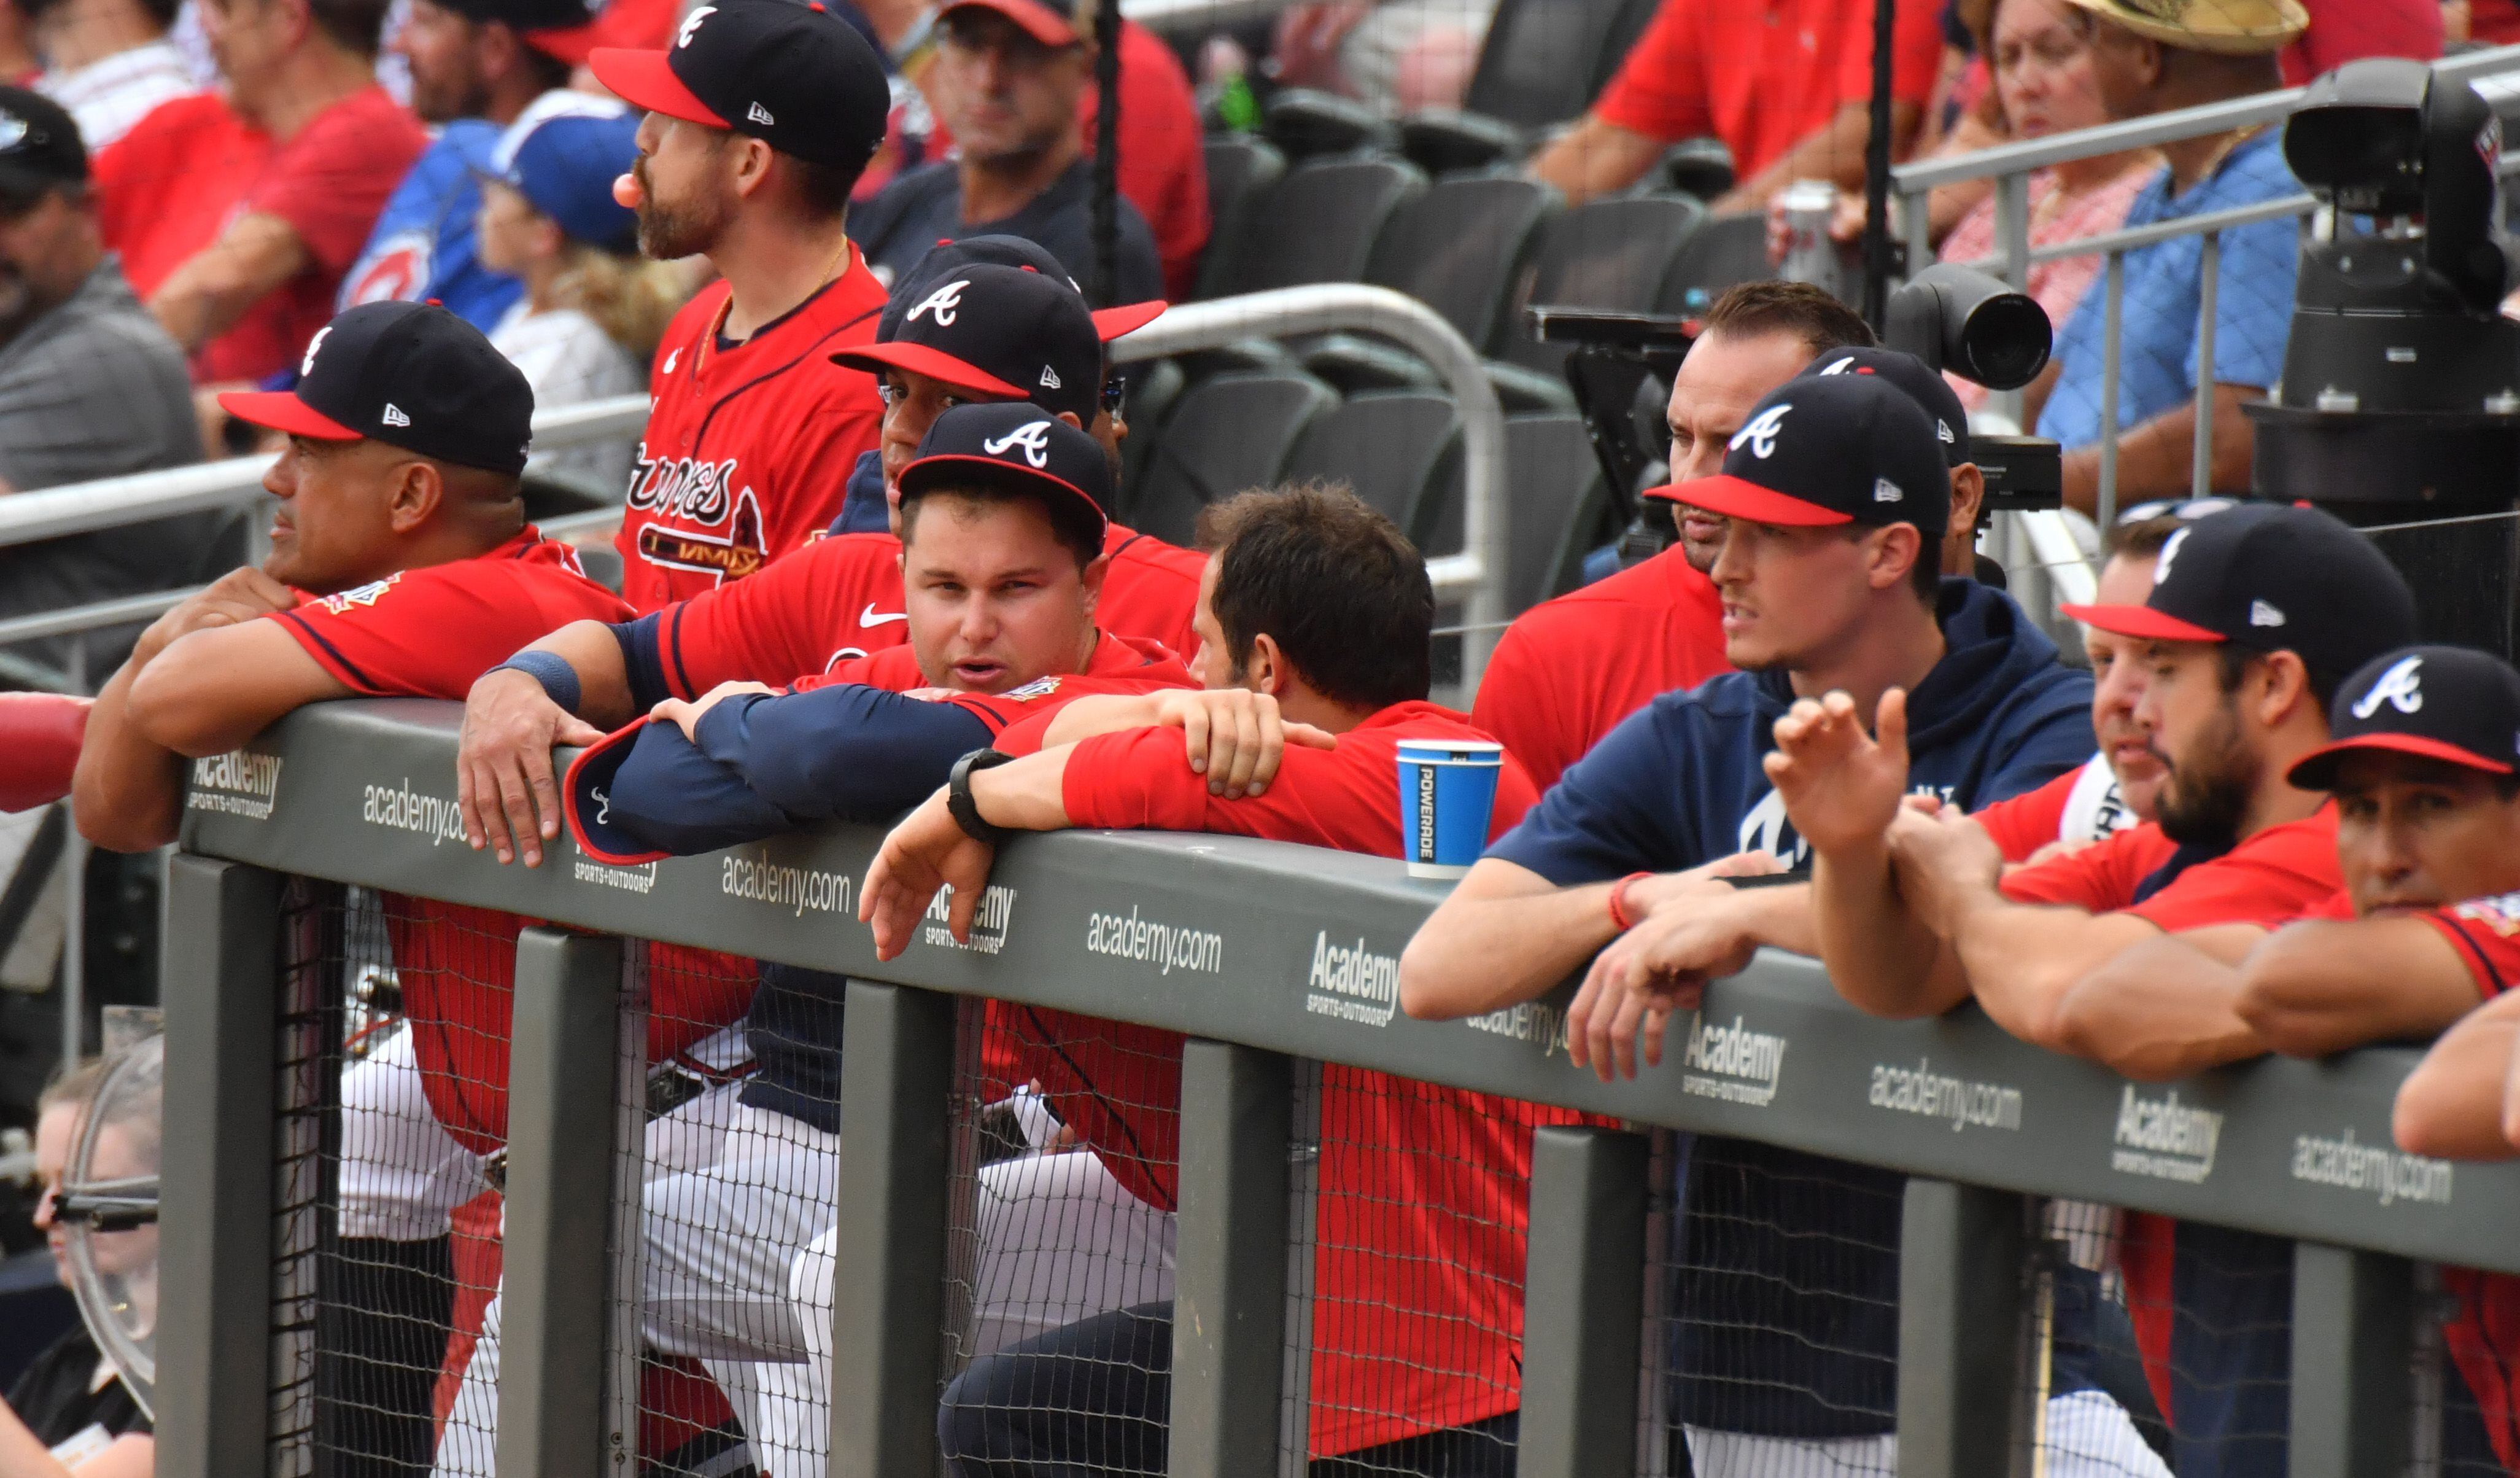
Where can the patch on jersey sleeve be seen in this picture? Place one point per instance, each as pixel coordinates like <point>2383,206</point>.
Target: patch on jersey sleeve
<point>1039,687</point>
<point>2500,914</point>
<point>365,595</point>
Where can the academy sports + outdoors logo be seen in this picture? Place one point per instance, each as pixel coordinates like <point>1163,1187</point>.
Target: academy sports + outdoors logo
<point>989,920</point>
<point>1534,1021</point>
<point>2389,1174</point>
<point>1352,983</point>
<point>238,783</point>
<point>757,879</point>
<point>1938,1096</point>
<point>2165,1139</point>
<point>402,809</point>
<point>1733,1063</point>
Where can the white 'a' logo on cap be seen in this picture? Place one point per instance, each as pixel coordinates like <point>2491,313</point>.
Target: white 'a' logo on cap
<point>1033,436</point>
<point>692,24</point>
<point>941,304</point>
<point>306,366</point>
<point>2168,552</point>
<point>2402,686</point>
<point>1761,432</point>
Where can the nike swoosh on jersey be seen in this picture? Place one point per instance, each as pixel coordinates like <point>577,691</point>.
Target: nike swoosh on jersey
<point>869,618</point>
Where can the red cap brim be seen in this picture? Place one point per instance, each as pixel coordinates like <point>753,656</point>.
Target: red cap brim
<point>1039,21</point>
<point>643,80</point>
<point>2142,623</point>
<point>934,363</point>
<point>282,410</point>
<point>572,44</point>
<point>2314,770</point>
<point>1127,318</point>
<point>1741,498</point>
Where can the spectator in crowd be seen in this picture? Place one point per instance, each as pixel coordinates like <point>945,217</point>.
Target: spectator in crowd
<point>1398,55</point>
<point>2255,614</point>
<point>1837,499</point>
<point>243,276</point>
<point>760,115</point>
<point>2348,30</point>
<point>2146,62</point>
<point>1008,80</point>
<point>2044,83</point>
<point>593,307</point>
<point>90,387</point>
<point>1786,90</point>
<point>1569,670</point>
<point>109,61</point>
<point>70,1415</point>
<point>1318,606</point>
<point>475,66</point>
<point>1002,559</point>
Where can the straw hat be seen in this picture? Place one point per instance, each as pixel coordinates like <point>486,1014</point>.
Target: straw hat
<point>2234,27</point>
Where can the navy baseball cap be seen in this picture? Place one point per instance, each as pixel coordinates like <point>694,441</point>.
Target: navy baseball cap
<point>1054,24</point>
<point>2272,578</point>
<point>1014,446</point>
<point>2453,703</point>
<point>1922,384</point>
<point>795,76</point>
<point>947,256</point>
<point>410,375</point>
<point>563,154</point>
<point>563,29</point>
<point>39,146</point>
<point>1828,450</point>
<point>586,798</point>
<point>1008,333</point>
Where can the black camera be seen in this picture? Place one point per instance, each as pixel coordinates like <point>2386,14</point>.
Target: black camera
<point>1961,320</point>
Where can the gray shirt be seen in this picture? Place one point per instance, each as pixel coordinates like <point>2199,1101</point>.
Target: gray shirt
<point>95,389</point>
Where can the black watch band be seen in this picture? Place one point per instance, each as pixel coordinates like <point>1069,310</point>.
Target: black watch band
<point>958,797</point>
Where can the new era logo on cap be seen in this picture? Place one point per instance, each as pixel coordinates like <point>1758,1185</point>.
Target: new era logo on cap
<point>2262,614</point>
<point>2448,705</point>
<point>1049,378</point>
<point>760,114</point>
<point>395,416</point>
<point>1922,384</point>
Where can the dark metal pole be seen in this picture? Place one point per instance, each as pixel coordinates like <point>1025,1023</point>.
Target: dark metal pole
<point>1107,153</point>
<point>1877,172</point>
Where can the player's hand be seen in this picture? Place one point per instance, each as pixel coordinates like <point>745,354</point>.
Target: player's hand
<point>686,716</point>
<point>1942,861</point>
<point>1841,787</point>
<point>1689,936</point>
<point>1235,736</point>
<point>927,850</point>
<point>503,767</point>
<point>240,595</point>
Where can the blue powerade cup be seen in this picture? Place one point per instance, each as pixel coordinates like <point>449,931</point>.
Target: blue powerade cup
<point>1447,797</point>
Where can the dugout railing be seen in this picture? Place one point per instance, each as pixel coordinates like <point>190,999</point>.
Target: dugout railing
<point>362,795</point>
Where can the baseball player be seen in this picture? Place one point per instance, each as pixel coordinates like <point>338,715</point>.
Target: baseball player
<point>978,329</point>
<point>1004,529</point>
<point>760,115</point>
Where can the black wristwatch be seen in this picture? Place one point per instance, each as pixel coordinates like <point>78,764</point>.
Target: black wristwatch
<point>959,802</point>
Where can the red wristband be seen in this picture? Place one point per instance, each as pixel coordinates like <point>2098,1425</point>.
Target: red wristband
<point>1619,918</point>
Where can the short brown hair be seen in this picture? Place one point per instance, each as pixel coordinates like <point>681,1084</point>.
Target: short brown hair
<point>73,1085</point>
<point>1334,583</point>
<point>1751,308</point>
<point>2143,538</point>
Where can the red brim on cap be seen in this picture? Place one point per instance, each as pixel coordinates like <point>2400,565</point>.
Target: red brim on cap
<point>282,410</point>
<point>1039,21</point>
<point>1127,318</point>
<point>2142,623</point>
<point>935,364</point>
<point>594,766</point>
<point>1004,470</point>
<point>572,44</point>
<point>1741,498</point>
<point>2314,770</point>
<point>643,80</point>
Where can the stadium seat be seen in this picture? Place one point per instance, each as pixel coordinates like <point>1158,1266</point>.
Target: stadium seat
<point>1542,64</point>
<point>1154,388</point>
<point>1444,140</point>
<point>1726,251</point>
<point>1618,254</point>
<point>1332,213</point>
<point>1305,123</point>
<point>1700,166</point>
<point>1241,169</point>
<point>1556,507</point>
<point>1401,450</point>
<point>1227,434</point>
<point>1458,249</point>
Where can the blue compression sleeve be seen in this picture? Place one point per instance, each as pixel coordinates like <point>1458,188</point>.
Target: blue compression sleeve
<point>842,751</point>
<point>675,799</point>
<point>642,659</point>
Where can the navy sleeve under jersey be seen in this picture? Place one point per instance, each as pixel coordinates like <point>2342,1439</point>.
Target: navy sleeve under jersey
<point>847,749</point>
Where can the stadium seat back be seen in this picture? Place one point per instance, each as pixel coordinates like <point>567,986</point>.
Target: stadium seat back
<point>1618,254</point>
<point>1539,62</point>
<point>1461,247</point>
<point>1224,435</point>
<point>1318,224</point>
<point>1241,169</point>
<point>1557,501</point>
<point>1727,250</point>
<point>1401,450</point>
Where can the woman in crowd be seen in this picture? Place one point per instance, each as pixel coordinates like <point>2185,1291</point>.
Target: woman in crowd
<point>593,307</point>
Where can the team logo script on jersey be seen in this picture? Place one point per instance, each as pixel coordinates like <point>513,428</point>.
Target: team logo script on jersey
<point>1033,436</point>
<point>365,595</point>
<point>2402,686</point>
<point>942,305</point>
<point>1761,433</point>
<point>684,487</point>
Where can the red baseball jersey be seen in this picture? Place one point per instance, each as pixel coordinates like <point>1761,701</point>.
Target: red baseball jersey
<point>1569,670</point>
<point>2079,806</point>
<point>1423,1201</point>
<point>2486,932</point>
<point>749,446</point>
<point>429,633</point>
<point>2273,877</point>
<point>840,599</point>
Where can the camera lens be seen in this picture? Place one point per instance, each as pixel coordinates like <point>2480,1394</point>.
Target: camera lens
<point>2004,344</point>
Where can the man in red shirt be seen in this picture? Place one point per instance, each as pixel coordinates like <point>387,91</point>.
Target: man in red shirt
<point>2256,616</point>
<point>760,114</point>
<point>1316,601</point>
<point>972,330</point>
<point>236,229</point>
<point>1569,670</point>
<point>1786,86</point>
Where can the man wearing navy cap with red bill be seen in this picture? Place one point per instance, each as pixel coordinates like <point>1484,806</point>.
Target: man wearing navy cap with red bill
<point>761,114</point>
